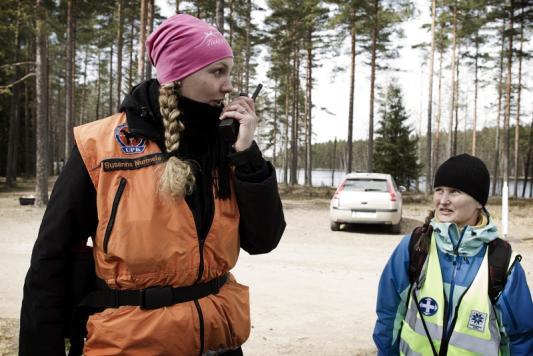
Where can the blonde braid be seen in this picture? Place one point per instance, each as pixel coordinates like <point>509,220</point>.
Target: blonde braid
<point>423,242</point>
<point>177,178</point>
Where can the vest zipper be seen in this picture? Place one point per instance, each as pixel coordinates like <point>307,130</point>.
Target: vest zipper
<point>452,283</point>
<point>201,321</point>
<point>201,241</point>
<point>444,345</point>
<point>116,201</point>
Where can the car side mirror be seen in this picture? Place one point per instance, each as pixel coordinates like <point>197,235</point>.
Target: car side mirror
<point>402,189</point>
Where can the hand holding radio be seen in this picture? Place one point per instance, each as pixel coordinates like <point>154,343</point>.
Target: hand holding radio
<point>239,121</point>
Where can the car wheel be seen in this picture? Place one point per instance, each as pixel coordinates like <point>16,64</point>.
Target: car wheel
<point>397,228</point>
<point>335,226</point>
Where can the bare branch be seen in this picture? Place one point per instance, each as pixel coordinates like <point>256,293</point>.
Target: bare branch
<point>4,88</point>
<point>9,65</point>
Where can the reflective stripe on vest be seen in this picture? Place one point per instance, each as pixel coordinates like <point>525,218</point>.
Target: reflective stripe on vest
<point>475,330</point>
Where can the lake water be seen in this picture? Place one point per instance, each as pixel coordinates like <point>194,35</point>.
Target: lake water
<point>322,177</point>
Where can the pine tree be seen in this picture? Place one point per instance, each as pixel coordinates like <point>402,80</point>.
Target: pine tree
<point>395,150</point>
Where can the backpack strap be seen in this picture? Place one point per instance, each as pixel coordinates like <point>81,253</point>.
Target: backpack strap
<point>499,258</point>
<point>418,251</point>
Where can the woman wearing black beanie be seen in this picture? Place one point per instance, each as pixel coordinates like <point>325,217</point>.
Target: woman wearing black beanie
<point>452,287</point>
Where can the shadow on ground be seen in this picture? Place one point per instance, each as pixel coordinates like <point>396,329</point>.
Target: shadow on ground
<point>407,227</point>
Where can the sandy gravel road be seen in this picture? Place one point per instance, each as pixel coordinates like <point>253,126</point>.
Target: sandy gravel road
<point>313,295</point>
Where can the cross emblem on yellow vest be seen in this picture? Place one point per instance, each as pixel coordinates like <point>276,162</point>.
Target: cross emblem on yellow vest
<point>428,306</point>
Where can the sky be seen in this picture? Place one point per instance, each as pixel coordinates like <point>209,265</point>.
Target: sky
<point>331,91</point>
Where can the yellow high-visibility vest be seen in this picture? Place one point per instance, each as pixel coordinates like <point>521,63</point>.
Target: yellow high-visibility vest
<point>475,331</point>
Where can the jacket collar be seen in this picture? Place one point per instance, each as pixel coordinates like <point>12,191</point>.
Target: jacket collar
<point>473,238</point>
<point>142,112</point>
<point>144,119</point>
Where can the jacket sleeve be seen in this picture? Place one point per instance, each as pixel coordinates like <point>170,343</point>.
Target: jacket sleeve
<point>392,299</point>
<point>69,219</point>
<point>516,310</point>
<point>262,221</point>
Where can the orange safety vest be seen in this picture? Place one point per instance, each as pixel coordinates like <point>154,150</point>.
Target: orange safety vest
<point>144,239</point>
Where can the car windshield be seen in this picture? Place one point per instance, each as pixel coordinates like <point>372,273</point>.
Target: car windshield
<point>366,185</point>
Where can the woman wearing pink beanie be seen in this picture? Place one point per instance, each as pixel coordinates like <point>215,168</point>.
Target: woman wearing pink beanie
<point>167,204</point>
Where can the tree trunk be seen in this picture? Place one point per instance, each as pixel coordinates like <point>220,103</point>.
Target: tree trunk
<point>132,35</point>
<point>30,118</point>
<point>286,143</point>
<point>507,116</point>
<point>456,102</point>
<point>528,160</point>
<point>220,15</point>
<point>517,128</point>
<point>84,93</point>
<point>333,160</point>
<point>275,131</point>
<point>56,129</point>
<point>349,144</point>
<point>230,36</point>
<point>111,105</point>
<point>476,83</point>
<point>430,100</point>
<point>295,117</point>
<point>465,122</point>
<point>142,39</point>
<point>177,6</point>
<point>436,148</point>
<point>41,68</point>
<point>370,167</point>
<point>308,110</point>
<point>14,117</point>
<point>150,24</point>
<point>452,106</point>
<point>497,143</point>
<point>53,145</point>
<point>98,87</point>
<point>27,132</point>
<point>120,45</point>
<point>69,80</point>
<point>14,113</point>
<point>248,48</point>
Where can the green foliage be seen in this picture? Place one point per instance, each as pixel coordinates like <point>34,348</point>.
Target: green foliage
<point>396,151</point>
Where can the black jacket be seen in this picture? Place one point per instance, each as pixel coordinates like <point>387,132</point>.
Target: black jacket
<point>71,217</point>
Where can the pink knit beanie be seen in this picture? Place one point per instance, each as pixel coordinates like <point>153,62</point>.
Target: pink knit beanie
<point>182,45</point>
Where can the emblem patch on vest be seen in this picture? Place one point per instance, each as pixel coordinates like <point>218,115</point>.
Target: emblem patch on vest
<point>428,306</point>
<point>477,321</point>
<point>128,144</point>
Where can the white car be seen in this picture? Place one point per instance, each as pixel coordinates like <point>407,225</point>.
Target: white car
<point>367,198</point>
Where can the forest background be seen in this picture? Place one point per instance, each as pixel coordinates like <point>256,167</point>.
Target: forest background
<point>68,62</point>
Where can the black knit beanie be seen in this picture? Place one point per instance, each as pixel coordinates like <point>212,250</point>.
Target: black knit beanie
<point>466,173</point>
